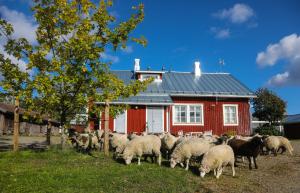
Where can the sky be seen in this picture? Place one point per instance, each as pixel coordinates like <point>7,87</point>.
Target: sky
<point>258,40</point>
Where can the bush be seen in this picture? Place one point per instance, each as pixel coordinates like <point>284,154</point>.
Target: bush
<point>268,130</point>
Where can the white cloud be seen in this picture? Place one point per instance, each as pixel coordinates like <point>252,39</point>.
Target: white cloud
<point>127,50</point>
<point>288,50</point>
<point>24,26</point>
<point>110,58</point>
<point>239,13</point>
<point>220,33</point>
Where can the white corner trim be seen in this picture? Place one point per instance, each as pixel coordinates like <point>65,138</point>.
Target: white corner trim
<point>237,114</point>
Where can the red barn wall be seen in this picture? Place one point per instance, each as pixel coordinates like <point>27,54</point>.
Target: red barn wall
<point>213,116</point>
<point>111,122</point>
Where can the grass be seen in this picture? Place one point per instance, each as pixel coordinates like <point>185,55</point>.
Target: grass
<point>69,171</point>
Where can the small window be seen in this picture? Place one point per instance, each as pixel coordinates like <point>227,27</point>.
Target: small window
<point>188,114</point>
<point>230,114</point>
<point>155,76</point>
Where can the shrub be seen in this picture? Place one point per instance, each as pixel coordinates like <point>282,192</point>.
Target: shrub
<point>267,130</point>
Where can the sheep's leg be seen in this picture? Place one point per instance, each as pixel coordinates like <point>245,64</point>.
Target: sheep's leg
<point>250,163</point>
<point>187,164</point>
<point>275,152</point>
<point>254,160</point>
<point>159,159</point>
<point>232,168</point>
<point>243,159</point>
<point>181,164</point>
<point>139,160</point>
<point>219,171</point>
<point>215,172</point>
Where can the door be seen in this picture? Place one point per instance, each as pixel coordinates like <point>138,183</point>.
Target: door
<point>155,119</point>
<point>121,123</point>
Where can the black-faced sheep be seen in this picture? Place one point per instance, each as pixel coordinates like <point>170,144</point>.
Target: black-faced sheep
<point>216,159</point>
<point>248,149</point>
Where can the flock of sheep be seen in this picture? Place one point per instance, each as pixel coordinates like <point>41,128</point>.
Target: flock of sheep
<point>215,152</point>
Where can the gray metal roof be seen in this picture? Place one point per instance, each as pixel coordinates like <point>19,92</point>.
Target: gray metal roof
<point>185,84</point>
<point>292,119</point>
<point>147,99</point>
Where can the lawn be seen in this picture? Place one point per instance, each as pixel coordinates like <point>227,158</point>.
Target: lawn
<point>68,171</point>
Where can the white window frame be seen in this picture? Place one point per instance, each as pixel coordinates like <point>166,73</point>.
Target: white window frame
<point>237,115</point>
<point>188,114</point>
<point>155,76</point>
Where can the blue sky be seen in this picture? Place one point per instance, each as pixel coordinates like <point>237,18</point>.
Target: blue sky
<point>258,40</point>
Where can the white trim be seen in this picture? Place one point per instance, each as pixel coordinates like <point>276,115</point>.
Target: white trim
<point>125,122</point>
<point>150,72</point>
<point>237,114</point>
<point>163,121</point>
<point>188,114</point>
<point>138,103</point>
<point>167,119</point>
<point>214,95</point>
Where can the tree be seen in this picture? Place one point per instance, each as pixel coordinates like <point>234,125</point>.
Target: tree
<point>268,106</point>
<point>67,64</point>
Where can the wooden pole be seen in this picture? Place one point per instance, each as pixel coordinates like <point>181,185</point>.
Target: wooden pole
<point>106,128</point>
<point>49,127</point>
<point>16,124</point>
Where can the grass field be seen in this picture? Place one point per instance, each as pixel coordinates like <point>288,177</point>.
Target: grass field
<point>69,171</point>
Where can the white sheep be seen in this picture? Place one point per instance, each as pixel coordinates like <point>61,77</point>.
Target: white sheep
<point>188,148</point>
<point>168,142</point>
<point>143,145</point>
<point>118,142</point>
<point>216,159</point>
<point>274,143</point>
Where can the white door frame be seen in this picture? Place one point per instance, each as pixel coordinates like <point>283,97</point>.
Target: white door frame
<point>125,112</point>
<point>163,121</point>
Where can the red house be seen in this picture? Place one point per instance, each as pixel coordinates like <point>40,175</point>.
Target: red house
<point>184,102</point>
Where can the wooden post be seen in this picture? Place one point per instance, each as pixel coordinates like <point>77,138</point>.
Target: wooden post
<point>16,124</point>
<point>49,127</point>
<point>106,128</point>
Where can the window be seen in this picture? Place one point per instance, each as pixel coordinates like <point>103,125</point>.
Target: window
<point>188,114</point>
<point>146,76</point>
<point>230,114</point>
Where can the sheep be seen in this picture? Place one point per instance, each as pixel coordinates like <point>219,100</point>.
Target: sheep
<point>216,159</point>
<point>143,145</point>
<point>188,148</point>
<point>249,149</point>
<point>168,143</point>
<point>274,143</point>
<point>118,142</point>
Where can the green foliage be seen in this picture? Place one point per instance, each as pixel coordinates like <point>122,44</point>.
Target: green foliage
<point>268,106</point>
<point>267,130</point>
<point>67,64</point>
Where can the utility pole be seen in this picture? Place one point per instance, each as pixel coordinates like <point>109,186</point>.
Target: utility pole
<point>16,124</point>
<point>106,128</point>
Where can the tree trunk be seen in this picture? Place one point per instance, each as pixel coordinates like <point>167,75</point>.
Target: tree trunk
<point>16,124</point>
<point>49,127</point>
<point>106,128</point>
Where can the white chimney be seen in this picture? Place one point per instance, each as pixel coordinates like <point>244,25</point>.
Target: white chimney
<point>136,64</point>
<point>197,69</point>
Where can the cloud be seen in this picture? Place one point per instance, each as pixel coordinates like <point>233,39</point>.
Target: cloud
<point>288,50</point>
<point>220,33</point>
<point>127,50</point>
<point>110,58</point>
<point>23,26</point>
<point>239,13</point>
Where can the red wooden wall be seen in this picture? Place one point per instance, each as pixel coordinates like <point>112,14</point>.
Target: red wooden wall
<point>136,119</point>
<point>213,116</point>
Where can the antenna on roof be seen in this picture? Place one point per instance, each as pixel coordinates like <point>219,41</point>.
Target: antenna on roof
<point>221,63</point>
<point>163,68</point>
<point>148,68</point>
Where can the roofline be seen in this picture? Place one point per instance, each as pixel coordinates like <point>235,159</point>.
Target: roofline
<point>136,103</point>
<point>149,71</point>
<point>215,95</point>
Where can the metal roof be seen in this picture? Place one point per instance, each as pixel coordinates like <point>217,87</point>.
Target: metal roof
<point>292,119</point>
<point>146,100</point>
<point>186,84</point>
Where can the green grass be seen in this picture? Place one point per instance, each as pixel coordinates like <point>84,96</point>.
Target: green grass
<point>69,171</point>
